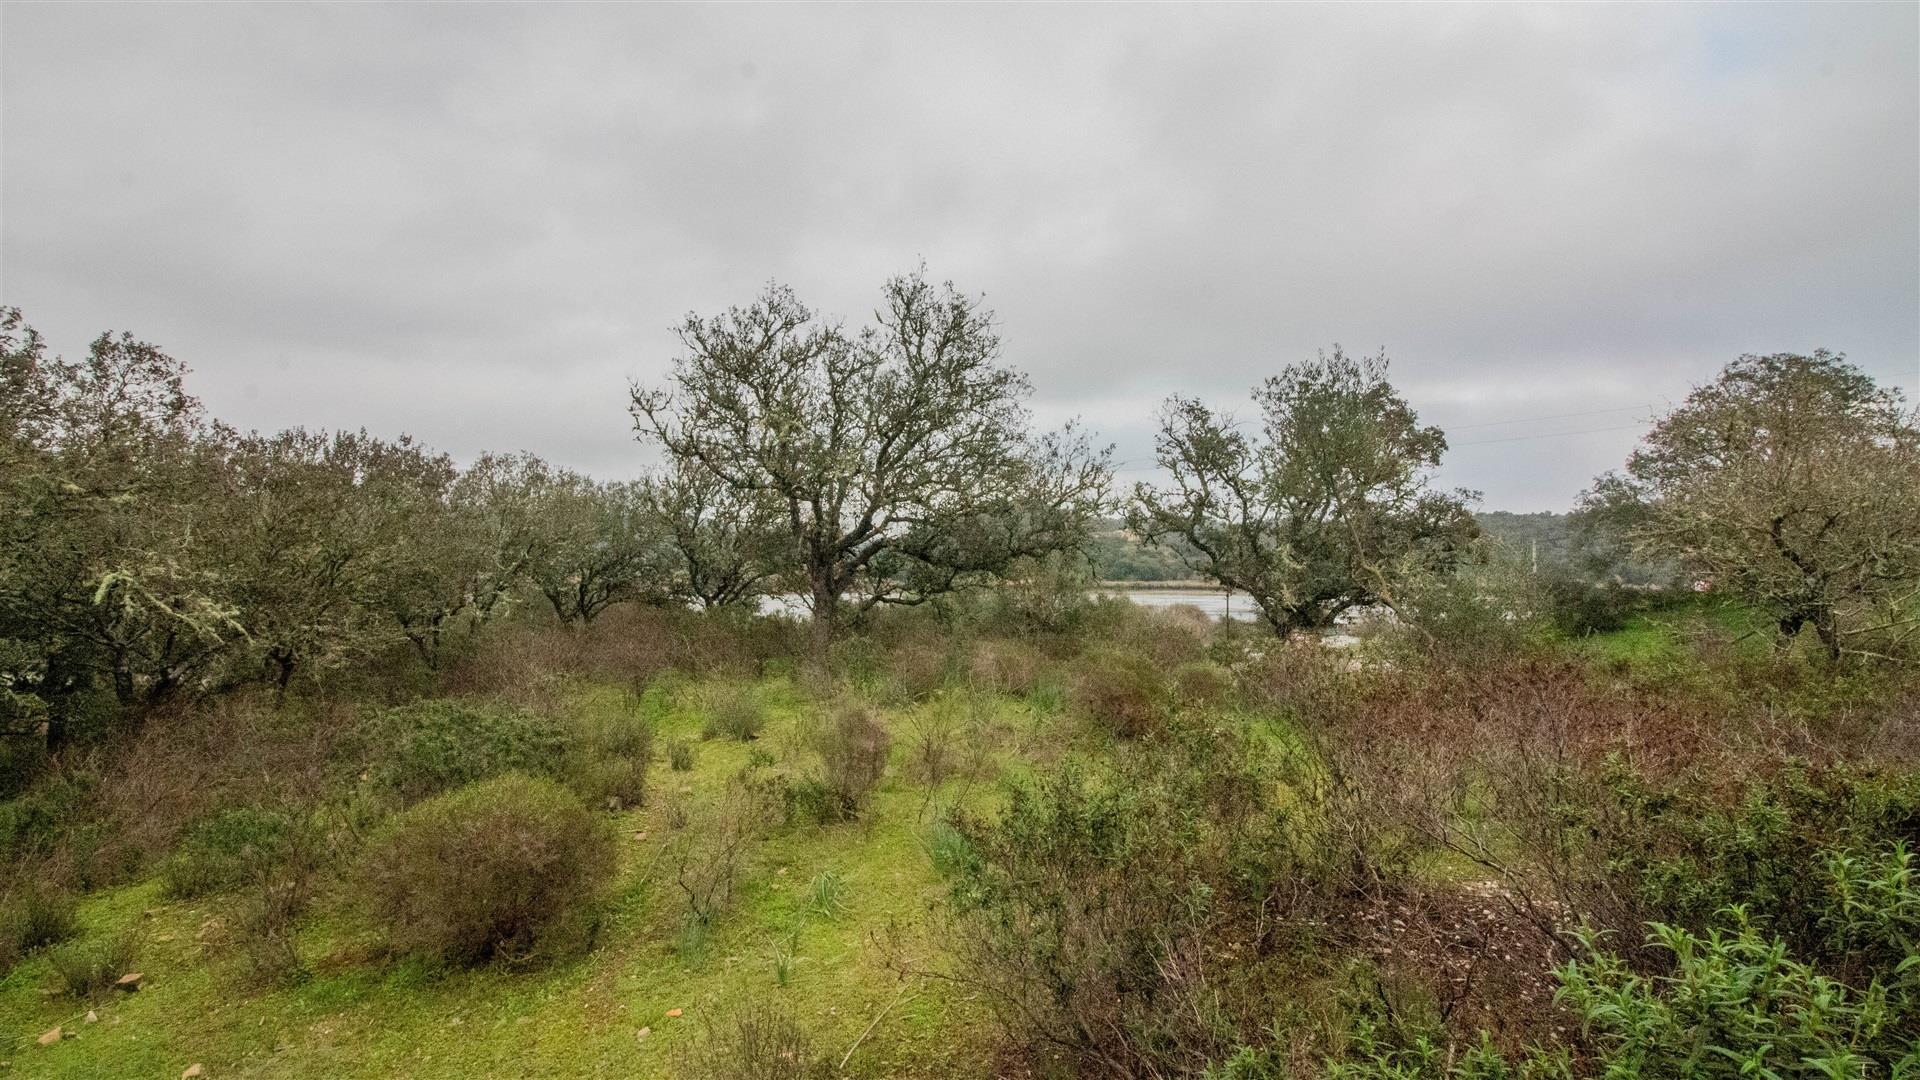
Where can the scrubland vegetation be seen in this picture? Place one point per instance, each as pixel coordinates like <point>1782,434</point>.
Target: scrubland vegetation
<point>326,757</point>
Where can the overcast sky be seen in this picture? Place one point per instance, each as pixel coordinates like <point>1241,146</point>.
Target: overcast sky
<point>478,223</point>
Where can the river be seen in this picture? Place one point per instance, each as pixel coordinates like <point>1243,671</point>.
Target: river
<point>1215,602</point>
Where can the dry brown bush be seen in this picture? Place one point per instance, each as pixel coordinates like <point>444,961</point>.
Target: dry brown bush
<point>508,868</point>
<point>706,859</point>
<point>1006,667</point>
<point>756,1040</point>
<point>854,750</point>
<point>1122,691</point>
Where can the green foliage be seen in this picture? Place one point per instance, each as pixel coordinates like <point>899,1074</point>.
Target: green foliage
<point>227,850</point>
<point>433,745</point>
<point>1736,1004</point>
<point>899,458</point>
<point>1685,855</point>
<point>509,868</point>
<point>1119,556</point>
<point>1582,608</point>
<point>1373,1056</point>
<point>596,544</point>
<point>606,758</point>
<point>84,968</point>
<point>948,848</point>
<point>33,915</point>
<point>734,711</point>
<point>1327,509</point>
<point>1090,909</point>
<point>1791,482</point>
<point>35,820</point>
<point>827,894</point>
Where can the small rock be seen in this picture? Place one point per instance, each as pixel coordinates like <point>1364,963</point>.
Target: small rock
<point>670,1012</point>
<point>92,1017</point>
<point>643,1033</point>
<point>128,982</point>
<point>191,1071</point>
<point>48,1038</point>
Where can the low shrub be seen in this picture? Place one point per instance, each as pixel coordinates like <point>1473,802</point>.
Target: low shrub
<point>226,850</point>
<point>755,1041</point>
<point>679,754</point>
<point>84,968</point>
<point>1736,1004</point>
<point>33,914</point>
<point>734,711</point>
<point>1103,911</point>
<point>1683,850</point>
<point>607,757</point>
<point>919,665</point>
<point>853,747</point>
<point>1583,608</point>
<point>427,747</point>
<point>508,868</point>
<point>1202,684</point>
<point>36,820</point>
<point>707,858</point>
<point>1123,692</point>
<point>1006,667</point>
<point>932,744</point>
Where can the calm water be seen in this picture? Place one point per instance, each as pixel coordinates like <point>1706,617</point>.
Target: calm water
<point>1218,604</point>
<point>1215,603</point>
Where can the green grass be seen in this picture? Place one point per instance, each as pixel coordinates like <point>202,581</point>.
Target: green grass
<point>359,1016</point>
<point>1665,639</point>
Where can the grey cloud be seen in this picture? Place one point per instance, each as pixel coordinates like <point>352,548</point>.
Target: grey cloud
<point>477,222</point>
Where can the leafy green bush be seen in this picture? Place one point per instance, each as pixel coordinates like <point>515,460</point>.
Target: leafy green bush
<point>430,746</point>
<point>1091,911</point>
<point>1684,852</point>
<point>1581,608</point>
<point>226,850</point>
<point>33,914</point>
<point>36,819</point>
<point>1735,1004</point>
<point>84,968</point>
<point>1732,1002</point>
<point>508,868</point>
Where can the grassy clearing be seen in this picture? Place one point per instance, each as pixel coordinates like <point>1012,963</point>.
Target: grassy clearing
<point>358,1016</point>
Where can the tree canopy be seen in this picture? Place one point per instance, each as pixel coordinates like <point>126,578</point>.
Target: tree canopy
<point>898,457</point>
<point>1791,482</point>
<point>1326,509</point>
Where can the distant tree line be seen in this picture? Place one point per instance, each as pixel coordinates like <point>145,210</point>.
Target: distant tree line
<point>147,549</point>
